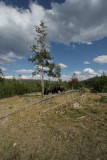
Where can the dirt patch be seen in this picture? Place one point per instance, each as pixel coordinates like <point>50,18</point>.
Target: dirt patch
<point>4,121</point>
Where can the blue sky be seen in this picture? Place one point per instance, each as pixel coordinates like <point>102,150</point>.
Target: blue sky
<point>77,34</point>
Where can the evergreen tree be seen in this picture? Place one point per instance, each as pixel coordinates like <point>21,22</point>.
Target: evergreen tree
<point>58,72</point>
<point>42,57</point>
<point>1,76</point>
<point>73,81</point>
<point>100,84</point>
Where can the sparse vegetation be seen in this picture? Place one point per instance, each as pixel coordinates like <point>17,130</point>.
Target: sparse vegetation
<point>66,132</point>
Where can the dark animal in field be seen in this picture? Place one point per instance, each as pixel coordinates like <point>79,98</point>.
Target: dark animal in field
<point>55,89</point>
<point>47,91</point>
<point>58,88</point>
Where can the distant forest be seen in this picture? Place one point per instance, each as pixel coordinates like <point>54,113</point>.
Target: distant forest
<point>12,87</point>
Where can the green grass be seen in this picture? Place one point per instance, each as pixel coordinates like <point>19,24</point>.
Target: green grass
<point>58,134</point>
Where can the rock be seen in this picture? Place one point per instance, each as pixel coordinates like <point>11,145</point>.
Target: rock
<point>29,100</point>
<point>77,106</point>
<point>57,112</point>
<point>14,144</point>
<point>83,96</point>
<point>62,112</point>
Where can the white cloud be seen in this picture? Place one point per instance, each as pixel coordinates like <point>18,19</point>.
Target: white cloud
<point>3,69</point>
<point>6,59</point>
<point>101,59</point>
<point>62,65</point>
<point>89,43</point>
<point>24,77</point>
<point>9,77</point>
<point>65,77</point>
<point>12,55</point>
<point>89,71</point>
<point>77,72</point>
<point>86,62</point>
<point>40,67</point>
<point>25,71</point>
<point>86,74</point>
<point>73,46</point>
<point>17,29</point>
<point>36,77</point>
<point>101,71</point>
<point>80,21</point>
<point>9,58</point>
<point>30,77</point>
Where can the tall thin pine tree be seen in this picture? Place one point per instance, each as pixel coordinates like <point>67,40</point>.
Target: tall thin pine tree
<point>42,57</point>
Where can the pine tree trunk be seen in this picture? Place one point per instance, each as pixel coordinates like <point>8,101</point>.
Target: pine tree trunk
<point>42,82</point>
<point>41,77</point>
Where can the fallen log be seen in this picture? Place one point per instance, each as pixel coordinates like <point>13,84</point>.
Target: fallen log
<point>38,102</point>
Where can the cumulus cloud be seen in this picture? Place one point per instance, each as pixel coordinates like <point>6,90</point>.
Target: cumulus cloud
<point>17,29</point>
<point>101,59</point>
<point>62,65</point>
<point>9,58</point>
<point>77,72</point>
<point>36,77</point>
<point>30,77</point>
<point>9,77</point>
<point>86,74</point>
<point>89,71</point>
<point>65,77</point>
<point>72,21</point>
<point>25,71</point>
<point>86,62</point>
<point>24,77</point>
<point>78,21</point>
<point>3,69</point>
<point>6,59</point>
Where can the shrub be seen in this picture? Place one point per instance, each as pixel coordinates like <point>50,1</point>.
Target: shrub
<point>103,99</point>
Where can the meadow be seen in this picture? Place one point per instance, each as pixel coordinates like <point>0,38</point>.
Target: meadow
<point>69,126</point>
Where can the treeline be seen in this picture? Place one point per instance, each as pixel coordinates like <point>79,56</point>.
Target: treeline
<point>97,84</point>
<point>14,87</point>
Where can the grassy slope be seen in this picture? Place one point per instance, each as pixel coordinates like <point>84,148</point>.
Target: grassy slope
<point>57,134</point>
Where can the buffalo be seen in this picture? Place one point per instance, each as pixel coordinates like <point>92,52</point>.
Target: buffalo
<point>47,91</point>
<point>55,89</point>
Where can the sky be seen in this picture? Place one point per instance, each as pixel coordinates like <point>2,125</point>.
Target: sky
<point>77,34</point>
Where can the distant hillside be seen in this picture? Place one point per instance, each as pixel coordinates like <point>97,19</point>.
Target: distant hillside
<point>23,80</point>
<point>97,84</point>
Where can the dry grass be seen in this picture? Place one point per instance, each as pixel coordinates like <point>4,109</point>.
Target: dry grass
<point>8,105</point>
<point>63,133</point>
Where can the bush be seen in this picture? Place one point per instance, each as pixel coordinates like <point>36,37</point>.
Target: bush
<point>100,84</point>
<point>103,99</point>
<point>15,87</point>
